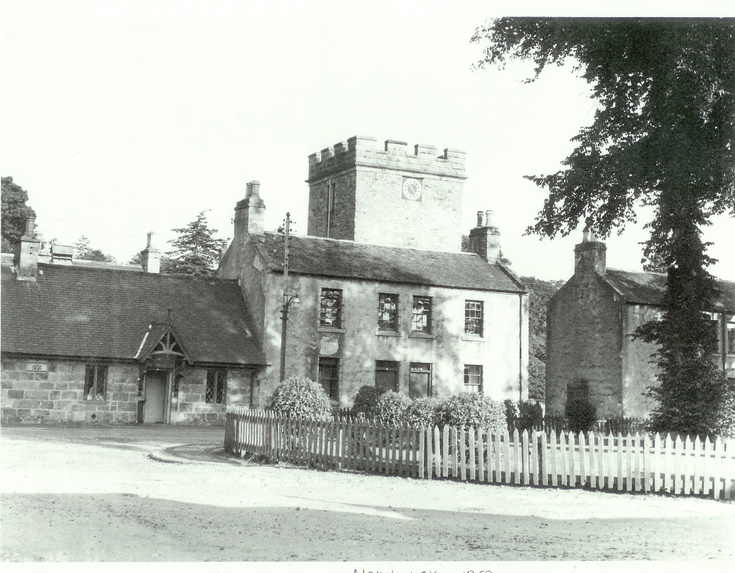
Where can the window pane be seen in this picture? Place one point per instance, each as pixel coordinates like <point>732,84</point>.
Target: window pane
<point>421,314</point>
<point>101,385</point>
<point>419,380</point>
<point>329,376</point>
<point>388,311</point>
<point>473,311</point>
<point>386,375</point>
<point>329,307</point>
<point>473,378</point>
<point>88,382</point>
<point>731,340</point>
<point>211,383</point>
<point>221,386</point>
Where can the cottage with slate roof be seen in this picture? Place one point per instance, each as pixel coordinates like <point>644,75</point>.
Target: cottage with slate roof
<point>385,295</point>
<point>85,342</point>
<point>589,350</point>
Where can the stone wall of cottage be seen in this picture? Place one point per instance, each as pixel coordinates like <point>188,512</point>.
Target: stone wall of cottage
<point>584,342</point>
<point>190,405</point>
<point>56,394</point>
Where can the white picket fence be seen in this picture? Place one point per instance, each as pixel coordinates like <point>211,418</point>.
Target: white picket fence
<point>646,463</point>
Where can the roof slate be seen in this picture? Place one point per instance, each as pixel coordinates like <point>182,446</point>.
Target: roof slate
<point>105,313</point>
<point>348,259</point>
<point>649,288</point>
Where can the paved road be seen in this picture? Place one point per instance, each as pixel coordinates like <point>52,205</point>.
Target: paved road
<point>161,493</point>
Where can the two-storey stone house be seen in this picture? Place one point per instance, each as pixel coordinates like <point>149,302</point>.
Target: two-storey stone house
<point>385,295</point>
<point>589,348</point>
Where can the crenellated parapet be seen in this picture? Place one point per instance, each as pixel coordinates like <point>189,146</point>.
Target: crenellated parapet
<point>361,151</point>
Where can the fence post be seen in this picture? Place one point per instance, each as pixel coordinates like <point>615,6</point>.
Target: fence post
<point>483,449</point>
<point>437,453</point>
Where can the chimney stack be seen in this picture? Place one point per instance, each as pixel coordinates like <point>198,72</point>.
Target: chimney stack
<point>150,257</point>
<point>485,237</point>
<point>26,252</point>
<point>249,214</point>
<point>590,254</point>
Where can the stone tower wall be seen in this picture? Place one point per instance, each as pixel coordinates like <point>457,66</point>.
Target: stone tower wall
<point>368,203</point>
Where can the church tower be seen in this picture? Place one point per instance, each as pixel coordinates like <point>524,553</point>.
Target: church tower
<point>393,196</point>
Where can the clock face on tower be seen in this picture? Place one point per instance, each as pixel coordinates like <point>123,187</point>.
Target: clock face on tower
<point>412,189</point>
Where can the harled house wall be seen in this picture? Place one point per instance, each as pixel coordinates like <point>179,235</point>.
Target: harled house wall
<point>502,351</point>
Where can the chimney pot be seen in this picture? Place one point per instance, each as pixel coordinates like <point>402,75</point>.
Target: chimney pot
<point>480,218</point>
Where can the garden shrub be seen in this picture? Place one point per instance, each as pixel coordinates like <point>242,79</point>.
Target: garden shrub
<point>366,401</point>
<point>300,397</point>
<point>469,410</point>
<point>390,408</point>
<point>421,412</point>
<point>581,415</point>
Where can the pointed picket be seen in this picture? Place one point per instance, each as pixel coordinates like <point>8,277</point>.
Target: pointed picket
<point>523,445</point>
<point>437,452</point>
<point>582,462</point>
<point>517,460</point>
<point>717,467</point>
<point>628,462</point>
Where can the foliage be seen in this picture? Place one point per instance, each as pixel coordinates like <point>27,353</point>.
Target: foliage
<point>196,251</point>
<point>523,415</point>
<point>471,410</point>
<point>366,400</point>
<point>83,250</point>
<point>540,292</point>
<point>663,136</point>
<point>391,407</point>
<point>300,397</point>
<point>726,418</point>
<point>14,213</point>
<point>421,412</point>
<point>581,415</point>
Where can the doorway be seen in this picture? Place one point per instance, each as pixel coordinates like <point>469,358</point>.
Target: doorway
<point>156,382</point>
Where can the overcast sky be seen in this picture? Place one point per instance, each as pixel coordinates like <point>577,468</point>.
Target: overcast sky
<point>121,118</point>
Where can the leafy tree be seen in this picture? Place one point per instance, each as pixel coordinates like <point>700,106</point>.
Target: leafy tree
<point>663,136</point>
<point>84,251</point>
<point>540,292</point>
<point>196,250</point>
<point>14,213</point>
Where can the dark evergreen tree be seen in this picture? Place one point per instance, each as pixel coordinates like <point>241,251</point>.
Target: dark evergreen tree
<point>197,251</point>
<point>14,213</point>
<point>663,136</point>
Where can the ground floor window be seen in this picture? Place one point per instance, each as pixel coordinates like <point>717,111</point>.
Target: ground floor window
<point>216,392</point>
<point>329,376</point>
<point>386,375</point>
<point>95,382</point>
<point>419,380</point>
<point>473,378</point>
